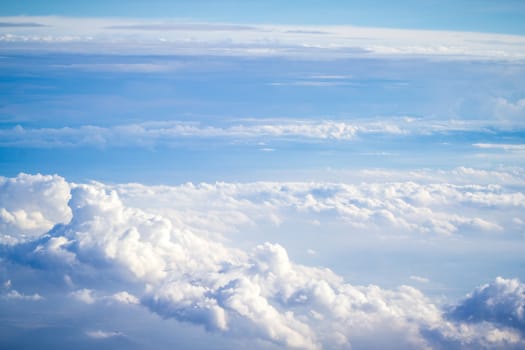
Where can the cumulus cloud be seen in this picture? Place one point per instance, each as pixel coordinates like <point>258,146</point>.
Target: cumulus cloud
<point>183,274</point>
<point>402,206</point>
<point>125,298</point>
<point>84,295</point>
<point>502,302</point>
<point>30,205</point>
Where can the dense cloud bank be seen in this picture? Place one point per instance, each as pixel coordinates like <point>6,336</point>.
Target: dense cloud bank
<point>150,243</point>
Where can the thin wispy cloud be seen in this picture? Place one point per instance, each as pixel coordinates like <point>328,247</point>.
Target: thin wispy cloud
<point>501,146</point>
<point>21,25</point>
<point>260,40</point>
<point>100,334</point>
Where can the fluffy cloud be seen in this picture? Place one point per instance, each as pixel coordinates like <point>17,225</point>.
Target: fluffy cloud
<point>84,295</point>
<point>125,298</point>
<point>502,302</point>
<point>178,272</point>
<point>401,206</point>
<point>30,205</point>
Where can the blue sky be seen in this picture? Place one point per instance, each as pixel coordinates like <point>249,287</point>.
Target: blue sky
<point>472,15</point>
<point>304,175</point>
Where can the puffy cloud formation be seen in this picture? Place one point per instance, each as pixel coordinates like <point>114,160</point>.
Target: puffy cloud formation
<point>400,206</point>
<point>30,205</point>
<point>502,302</point>
<point>184,274</point>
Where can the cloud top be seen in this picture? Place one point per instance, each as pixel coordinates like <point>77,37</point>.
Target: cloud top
<point>502,302</point>
<point>184,274</point>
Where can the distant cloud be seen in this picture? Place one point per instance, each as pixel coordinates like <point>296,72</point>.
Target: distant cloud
<point>501,302</point>
<point>186,27</point>
<point>314,83</point>
<point>167,132</point>
<point>504,108</point>
<point>84,295</point>
<point>501,146</point>
<point>99,334</point>
<point>149,67</point>
<point>15,295</point>
<point>460,175</point>
<point>125,298</point>
<point>143,36</point>
<point>21,25</point>
<point>419,279</point>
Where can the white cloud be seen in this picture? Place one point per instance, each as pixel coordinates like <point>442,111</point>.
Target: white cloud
<point>99,334</point>
<point>501,146</point>
<point>84,295</point>
<point>125,298</point>
<point>151,133</point>
<point>403,206</point>
<point>419,279</point>
<point>173,132</point>
<point>110,35</point>
<point>190,276</point>
<point>506,109</point>
<point>16,295</point>
<point>502,302</point>
<point>311,251</point>
<point>30,205</point>
<point>504,176</point>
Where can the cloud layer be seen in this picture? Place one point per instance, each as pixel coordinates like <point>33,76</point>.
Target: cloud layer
<point>164,133</point>
<point>154,37</point>
<point>163,260</point>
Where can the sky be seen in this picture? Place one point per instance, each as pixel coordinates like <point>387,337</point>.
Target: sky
<point>298,175</point>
